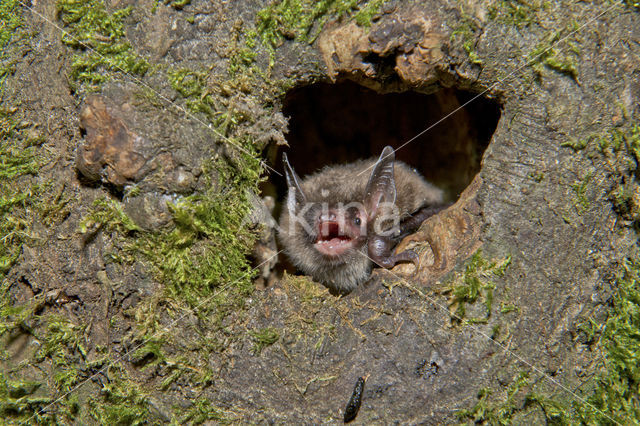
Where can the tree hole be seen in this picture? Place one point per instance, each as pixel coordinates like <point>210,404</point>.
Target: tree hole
<point>343,122</point>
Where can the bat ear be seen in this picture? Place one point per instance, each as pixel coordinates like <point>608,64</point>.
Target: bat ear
<point>381,187</point>
<point>295,195</point>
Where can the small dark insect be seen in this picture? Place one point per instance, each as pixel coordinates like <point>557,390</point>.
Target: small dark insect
<point>353,406</point>
<point>340,220</point>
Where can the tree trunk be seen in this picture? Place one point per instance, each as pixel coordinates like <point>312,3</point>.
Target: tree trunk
<point>133,134</point>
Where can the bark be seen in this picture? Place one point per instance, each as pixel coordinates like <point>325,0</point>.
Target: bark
<point>535,231</point>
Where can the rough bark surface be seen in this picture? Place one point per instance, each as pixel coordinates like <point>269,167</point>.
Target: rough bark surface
<point>536,228</point>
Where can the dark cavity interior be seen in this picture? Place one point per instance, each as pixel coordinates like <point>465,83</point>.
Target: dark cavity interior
<point>339,123</point>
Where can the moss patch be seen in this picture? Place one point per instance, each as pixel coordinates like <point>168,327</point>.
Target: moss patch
<point>563,60</point>
<point>618,151</point>
<point>61,363</point>
<point>263,338</point>
<point>465,34</point>
<point>10,21</point>
<point>17,159</point>
<point>121,400</point>
<point>202,411</point>
<point>616,392</point>
<point>101,38</point>
<point>192,86</point>
<point>206,248</point>
<point>496,411</point>
<point>302,20</point>
<point>474,284</point>
<point>518,13</point>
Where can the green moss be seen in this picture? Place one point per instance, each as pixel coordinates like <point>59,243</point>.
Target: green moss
<point>366,13</point>
<point>632,3</point>
<point>555,412</point>
<point>201,263</point>
<point>62,343</point>
<point>611,396</point>
<point>207,247</point>
<point>121,400</point>
<point>244,54</point>
<point>177,4</point>
<point>581,201</point>
<point>575,144</point>
<point>16,203</point>
<point>302,20</point>
<point>626,200</point>
<point>108,215</point>
<point>101,38</point>
<point>10,22</point>
<point>62,361</point>
<point>496,411</point>
<point>559,60</point>
<point>619,150</point>
<point>517,13</point>
<point>616,396</point>
<point>263,338</point>
<point>19,401</point>
<point>464,33</point>
<point>192,85</point>
<point>562,64</point>
<point>203,411</point>
<point>305,323</point>
<point>474,284</point>
<point>505,308</point>
<point>614,139</point>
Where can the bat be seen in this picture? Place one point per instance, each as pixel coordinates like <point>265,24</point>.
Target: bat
<point>342,219</point>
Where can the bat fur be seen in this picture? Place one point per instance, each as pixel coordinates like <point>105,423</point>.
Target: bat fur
<point>342,264</point>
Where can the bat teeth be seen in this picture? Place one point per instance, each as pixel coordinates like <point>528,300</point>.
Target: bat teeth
<point>334,247</point>
<point>329,217</point>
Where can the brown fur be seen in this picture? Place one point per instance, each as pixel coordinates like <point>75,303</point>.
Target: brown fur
<point>347,183</point>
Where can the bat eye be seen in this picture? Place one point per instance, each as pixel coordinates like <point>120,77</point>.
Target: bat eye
<point>357,221</point>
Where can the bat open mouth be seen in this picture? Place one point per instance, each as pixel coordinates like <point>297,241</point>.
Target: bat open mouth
<point>331,242</point>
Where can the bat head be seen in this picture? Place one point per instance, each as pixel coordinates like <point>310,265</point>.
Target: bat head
<point>336,225</point>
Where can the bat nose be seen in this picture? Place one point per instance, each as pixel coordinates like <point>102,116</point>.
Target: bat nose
<point>328,217</point>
